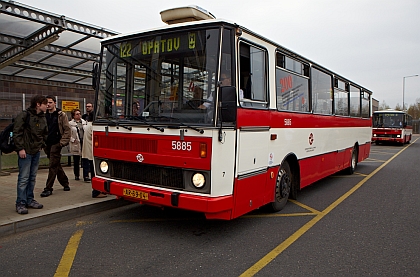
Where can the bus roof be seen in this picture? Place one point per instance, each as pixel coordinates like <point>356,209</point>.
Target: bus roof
<point>389,111</point>
<point>200,19</point>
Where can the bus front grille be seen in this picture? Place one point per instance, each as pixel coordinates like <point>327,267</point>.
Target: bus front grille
<point>147,174</point>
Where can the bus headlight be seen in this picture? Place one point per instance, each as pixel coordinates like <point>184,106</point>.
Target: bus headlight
<point>103,166</point>
<point>398,136</point>
<point>198,180</point>
<point>374,135</point>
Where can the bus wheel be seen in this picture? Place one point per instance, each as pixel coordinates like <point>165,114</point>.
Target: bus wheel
<point>284,185</point>
<point>353,162</point>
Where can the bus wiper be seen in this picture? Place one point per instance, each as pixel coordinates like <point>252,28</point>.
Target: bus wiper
<point>117,124</point>
<point>140,118</point>
<point>201,131</point>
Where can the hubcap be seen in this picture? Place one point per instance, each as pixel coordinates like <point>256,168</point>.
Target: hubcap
<point>283,185</point>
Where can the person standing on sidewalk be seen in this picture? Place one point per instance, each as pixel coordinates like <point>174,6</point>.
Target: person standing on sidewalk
<point>59,134</point>
<point>86,164</point>
<point>88,116</point>
<point>30,134</point>
<point>77,125</point>
<point>87,153</point>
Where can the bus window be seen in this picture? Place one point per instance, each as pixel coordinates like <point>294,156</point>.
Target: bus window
<point>292,90</point>
<point>321,92</point>
<point>354,101</point>
<point>365,105</point>
<point>341,98</point>
<point>252,76</point>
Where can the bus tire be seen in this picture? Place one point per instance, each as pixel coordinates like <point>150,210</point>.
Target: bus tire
<point>353,161</point>
<point>283,189</point>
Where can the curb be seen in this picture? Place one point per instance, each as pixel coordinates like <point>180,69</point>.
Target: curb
<point>59,215</point>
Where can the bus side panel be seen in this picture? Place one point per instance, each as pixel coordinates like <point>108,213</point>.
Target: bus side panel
<point>364,151</point>
<point>248,194</point>
<point>254,192</point>
<point>253,151</point>
<point>315,168</point>
<point>223,162</point>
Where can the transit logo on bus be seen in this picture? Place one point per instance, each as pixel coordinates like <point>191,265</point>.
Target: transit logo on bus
<point>140,158</point>
<point>311,139</point>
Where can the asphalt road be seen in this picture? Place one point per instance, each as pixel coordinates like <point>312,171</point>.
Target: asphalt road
<point>358,225</point>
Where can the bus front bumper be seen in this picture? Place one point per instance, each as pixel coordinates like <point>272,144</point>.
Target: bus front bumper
<point>213,207</point>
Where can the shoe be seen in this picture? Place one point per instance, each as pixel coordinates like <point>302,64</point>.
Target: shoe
<point>66,188</point>
<point>101,195</point>
<point>21,209</point>
<point>87,179</point>
<point>35,205</point>
<point>77,178</point>
<point>46,193</point>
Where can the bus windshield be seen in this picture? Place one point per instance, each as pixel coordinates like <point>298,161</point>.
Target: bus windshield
<point>388,120</point>
<point>163,78</point>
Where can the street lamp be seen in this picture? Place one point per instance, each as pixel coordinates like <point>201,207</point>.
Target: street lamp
<point>404,86</point>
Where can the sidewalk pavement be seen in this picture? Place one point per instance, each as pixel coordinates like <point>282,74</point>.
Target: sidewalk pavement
<point>58,207</point>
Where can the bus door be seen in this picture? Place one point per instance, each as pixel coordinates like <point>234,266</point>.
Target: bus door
<point>253,160</point>
<point>253,127</point>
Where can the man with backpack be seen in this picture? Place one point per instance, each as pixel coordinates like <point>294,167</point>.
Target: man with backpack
<point>59,134</point>
<point>30,133</point>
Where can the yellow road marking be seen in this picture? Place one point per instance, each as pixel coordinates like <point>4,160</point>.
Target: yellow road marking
<point>290,240</point>
<point>360,174</point>
<point>149,220</point>
<point>276,215</point>
<point>81,223</point>
<point>382,153</point>
<point>304,206</point>
<point>66,262</point>
<point>344,176</point>
<point>373,160</point>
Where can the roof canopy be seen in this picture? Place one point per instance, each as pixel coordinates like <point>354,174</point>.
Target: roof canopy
<point>41,45</point>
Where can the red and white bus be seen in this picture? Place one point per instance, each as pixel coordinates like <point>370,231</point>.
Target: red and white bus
<point>392,126</point>
<point>205,115</point>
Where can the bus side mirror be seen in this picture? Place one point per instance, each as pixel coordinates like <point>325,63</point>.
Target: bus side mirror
<point>227,97</point>
<point>95,75</point>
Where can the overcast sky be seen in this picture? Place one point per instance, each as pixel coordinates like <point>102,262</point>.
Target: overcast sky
<point>374,43</point>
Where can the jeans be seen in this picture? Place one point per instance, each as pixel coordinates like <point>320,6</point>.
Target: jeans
<point>55,170</point>
<point>28,168</point>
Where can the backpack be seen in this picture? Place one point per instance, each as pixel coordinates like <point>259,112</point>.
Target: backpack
<point>6,137</point>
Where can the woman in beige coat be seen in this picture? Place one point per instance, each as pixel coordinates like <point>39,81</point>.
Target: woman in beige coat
<point>87,156</point>
<point>77,125</point>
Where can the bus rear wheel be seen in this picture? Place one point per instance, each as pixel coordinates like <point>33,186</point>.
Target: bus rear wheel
<point>353,161</point>
<point>284,185</point>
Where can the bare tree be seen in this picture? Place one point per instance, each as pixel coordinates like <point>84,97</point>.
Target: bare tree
<point>383,106</point>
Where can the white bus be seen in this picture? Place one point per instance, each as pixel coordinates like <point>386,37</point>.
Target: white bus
<point>205,115</point>
<point>392,126</point>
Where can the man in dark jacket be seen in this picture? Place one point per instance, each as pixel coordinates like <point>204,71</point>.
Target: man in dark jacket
<point>88,116</point>
<point>59,134</point>
<point>30,135</point>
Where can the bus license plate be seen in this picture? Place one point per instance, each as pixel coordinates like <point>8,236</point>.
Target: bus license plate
<point>136,194</point>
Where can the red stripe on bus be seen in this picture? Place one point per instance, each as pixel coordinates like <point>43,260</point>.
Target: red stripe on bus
<point>276,119</point>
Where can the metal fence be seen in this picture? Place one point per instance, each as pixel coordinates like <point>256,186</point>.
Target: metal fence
<point>416,126</point>
<point>14,104</point>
